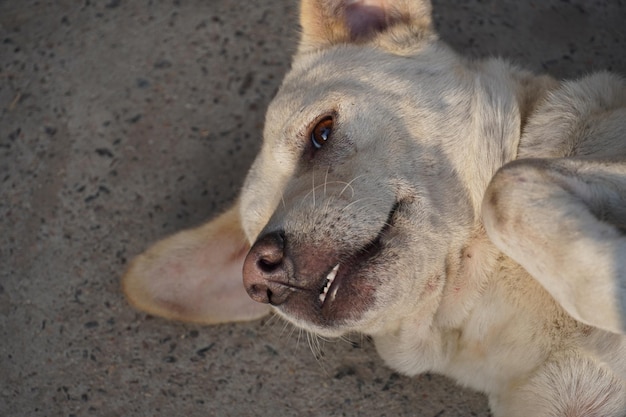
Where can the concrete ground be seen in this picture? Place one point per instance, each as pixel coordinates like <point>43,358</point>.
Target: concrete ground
<point>122,121</point>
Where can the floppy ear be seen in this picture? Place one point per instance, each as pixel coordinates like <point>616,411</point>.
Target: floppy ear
<point>328,22</point>
<point>195,275</point>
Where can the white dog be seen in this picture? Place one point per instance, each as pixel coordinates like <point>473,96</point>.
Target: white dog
<point>468,215</point>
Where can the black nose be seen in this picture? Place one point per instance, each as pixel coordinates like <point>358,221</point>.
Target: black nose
<point>265,270</point>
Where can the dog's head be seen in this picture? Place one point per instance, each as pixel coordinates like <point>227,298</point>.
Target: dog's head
<point>355,201</point>
<point>377,149</point>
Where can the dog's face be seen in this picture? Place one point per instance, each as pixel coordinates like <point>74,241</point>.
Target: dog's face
<point>353,201</point>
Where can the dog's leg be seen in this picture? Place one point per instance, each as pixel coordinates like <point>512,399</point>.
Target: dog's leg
<point>195,275</point>
<point>564,221</point>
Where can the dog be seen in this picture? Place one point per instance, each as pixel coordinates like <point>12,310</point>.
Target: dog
<point>468,215</point>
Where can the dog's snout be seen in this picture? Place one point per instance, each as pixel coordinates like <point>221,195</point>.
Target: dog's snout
<point>265,274</point>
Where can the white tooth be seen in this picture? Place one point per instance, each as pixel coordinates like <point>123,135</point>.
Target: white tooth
<point>332,274</point>
<point>329,281</point>
<point>324,291</point>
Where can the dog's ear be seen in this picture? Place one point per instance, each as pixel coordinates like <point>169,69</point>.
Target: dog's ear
<point>329,22</point>
<point>195,275</point>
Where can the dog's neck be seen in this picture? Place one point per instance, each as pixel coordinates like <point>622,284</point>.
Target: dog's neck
<point>502,103</point>
<point>505,101</point>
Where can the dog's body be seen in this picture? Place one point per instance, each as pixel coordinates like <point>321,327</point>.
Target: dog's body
<point>469,216</point>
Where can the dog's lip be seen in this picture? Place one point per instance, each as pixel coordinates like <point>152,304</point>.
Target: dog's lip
<point>343,271</point>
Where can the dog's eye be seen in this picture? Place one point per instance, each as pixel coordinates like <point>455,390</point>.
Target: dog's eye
<point>321,132</point>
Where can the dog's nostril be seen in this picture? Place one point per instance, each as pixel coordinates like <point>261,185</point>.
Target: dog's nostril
<point>260,293</point>
<point>267,266</point>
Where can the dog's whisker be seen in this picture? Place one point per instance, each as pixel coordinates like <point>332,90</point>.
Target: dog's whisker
<point>325,339</point>
<point>287,325</point>
<point>349,185</point>
<point>327,206</point>
<point>326,180</point>
<point>271,320</point>
<point>319,186</point>
<point>313,345</point>
<point>324,187</point>
<point>313,190</point>
<point>316,348</point>
<point>299,338</point>
<point>360,200</point>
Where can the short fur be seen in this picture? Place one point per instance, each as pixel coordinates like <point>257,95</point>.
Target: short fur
<point>468,215</point>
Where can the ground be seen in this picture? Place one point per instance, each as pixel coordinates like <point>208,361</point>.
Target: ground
<point>124,121</point>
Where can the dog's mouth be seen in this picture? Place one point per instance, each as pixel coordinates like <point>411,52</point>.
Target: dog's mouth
<point>359,260</point>
<point>326,288</point>
<point>347,288</point>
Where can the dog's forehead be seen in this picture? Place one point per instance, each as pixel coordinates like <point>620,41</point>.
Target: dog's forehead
<point>323,81</point>
<point>318,79</point>
<point>343,68</point>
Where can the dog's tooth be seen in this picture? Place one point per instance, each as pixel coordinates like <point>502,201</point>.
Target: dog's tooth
<point>332,274</point>
<point>329,281</point>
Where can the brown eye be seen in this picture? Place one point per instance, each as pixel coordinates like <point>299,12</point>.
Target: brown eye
<point>321,132</point>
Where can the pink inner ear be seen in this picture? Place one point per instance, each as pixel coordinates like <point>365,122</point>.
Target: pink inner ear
<point>203,284</point>
<point>195,275</point>
<point>365,17</point>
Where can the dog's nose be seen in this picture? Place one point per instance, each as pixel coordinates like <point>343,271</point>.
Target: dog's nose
<point>265,274</point>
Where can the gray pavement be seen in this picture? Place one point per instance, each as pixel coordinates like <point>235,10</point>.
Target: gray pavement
<point>122,121</point>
